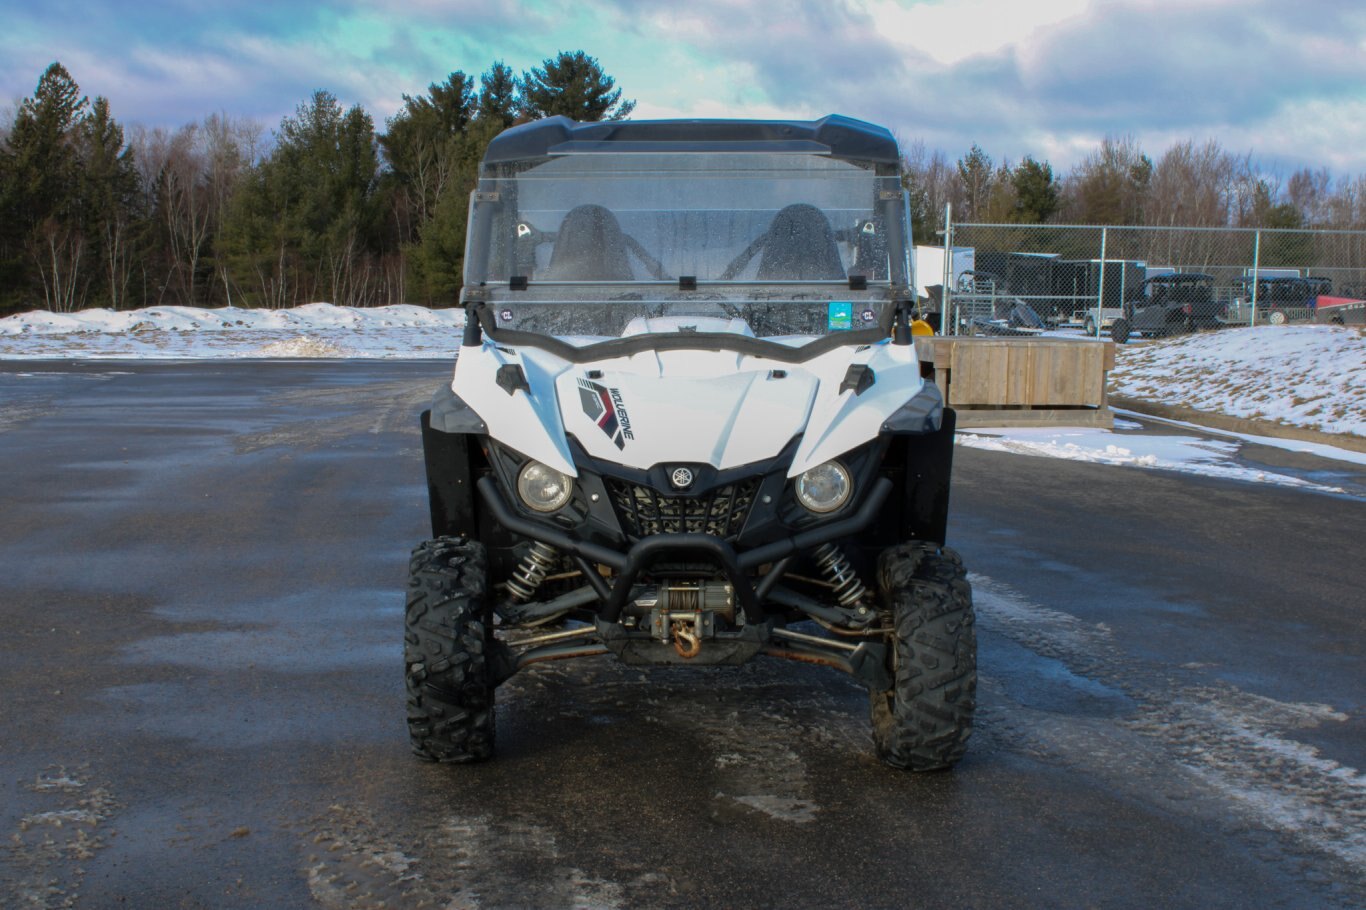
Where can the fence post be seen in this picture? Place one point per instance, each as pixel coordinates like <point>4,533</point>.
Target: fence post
<point>946,293</point>
<point>1100,291</point>
<point>1256,268</point>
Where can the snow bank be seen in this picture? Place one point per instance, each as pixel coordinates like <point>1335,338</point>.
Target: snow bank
<point>1187,454</point>
<point>1307,376</point>
<point>315,330</point>
<point>311,317</point>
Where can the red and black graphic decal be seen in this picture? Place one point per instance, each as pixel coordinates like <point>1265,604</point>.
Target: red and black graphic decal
<point>604,407</point>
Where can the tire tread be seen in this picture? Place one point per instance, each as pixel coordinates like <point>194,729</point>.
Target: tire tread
<point>923,723</point>
<point>449,682</point>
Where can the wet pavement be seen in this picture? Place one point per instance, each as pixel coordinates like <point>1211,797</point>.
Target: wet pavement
<point>1348,476</point>
<point>201,577</point>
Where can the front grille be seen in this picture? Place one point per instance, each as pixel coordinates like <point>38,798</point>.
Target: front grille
<point>720,512</point>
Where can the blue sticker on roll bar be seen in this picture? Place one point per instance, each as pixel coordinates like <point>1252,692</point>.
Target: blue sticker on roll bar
<point>841,315</point>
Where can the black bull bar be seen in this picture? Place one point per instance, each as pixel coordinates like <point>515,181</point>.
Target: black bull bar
<point>629,564</point>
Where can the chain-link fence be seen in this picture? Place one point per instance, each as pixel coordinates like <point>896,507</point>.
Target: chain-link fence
<point>1020,278</point>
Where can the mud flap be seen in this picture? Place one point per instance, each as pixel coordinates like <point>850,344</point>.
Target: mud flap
<point>929,464</point>
<point>450,491</point>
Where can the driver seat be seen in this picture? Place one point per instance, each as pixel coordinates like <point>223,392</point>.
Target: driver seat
<point>590,246</point>
<point>800,246</point>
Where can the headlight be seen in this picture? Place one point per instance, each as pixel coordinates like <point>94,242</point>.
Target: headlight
<point>543,488</point>
<point>824,488</point>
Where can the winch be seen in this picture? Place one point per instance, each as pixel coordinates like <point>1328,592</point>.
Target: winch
<point>684,612</point>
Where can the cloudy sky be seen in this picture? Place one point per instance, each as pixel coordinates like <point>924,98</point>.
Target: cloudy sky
<point>1284,80</point>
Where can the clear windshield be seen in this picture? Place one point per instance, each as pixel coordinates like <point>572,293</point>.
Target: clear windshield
<point>770,235</point>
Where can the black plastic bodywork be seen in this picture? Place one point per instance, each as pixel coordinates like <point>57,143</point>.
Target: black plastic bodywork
<point>928,462</point>
<point>483,318</point>
<point>842,137</point>
<point>450,488</point>
<point>732,563</point>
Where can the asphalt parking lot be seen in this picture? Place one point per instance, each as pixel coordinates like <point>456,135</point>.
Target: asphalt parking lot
<point>201,586</point>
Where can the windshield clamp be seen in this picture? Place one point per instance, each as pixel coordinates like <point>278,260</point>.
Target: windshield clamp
<point>901,323</point>
<point>473,335</point>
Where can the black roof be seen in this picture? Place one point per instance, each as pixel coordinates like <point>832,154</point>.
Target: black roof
<point>1179,278</point>
<point>842,137</point>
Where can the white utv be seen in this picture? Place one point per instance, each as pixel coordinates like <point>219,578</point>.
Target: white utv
<point>688,426</point>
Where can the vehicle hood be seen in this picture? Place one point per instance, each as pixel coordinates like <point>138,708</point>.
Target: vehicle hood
<point>719,408</point>
<point>661,409</point>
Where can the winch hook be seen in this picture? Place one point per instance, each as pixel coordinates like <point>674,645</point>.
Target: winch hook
<point>686,642</point>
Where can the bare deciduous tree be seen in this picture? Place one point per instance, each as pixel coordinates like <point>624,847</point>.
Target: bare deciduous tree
<point>931,183</point>
<point>1310,191</point>
<point>58,251</point>
<point>1110,185</point>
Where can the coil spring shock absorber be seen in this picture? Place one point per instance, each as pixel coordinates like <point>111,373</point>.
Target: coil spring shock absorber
<point>830,560</point>
<point>534,567</point>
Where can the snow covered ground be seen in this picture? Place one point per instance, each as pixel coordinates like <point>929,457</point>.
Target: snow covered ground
<point>1307,376</point>
<point>1310,376</point>
<point>1188,454</point>
<point>180,333</point>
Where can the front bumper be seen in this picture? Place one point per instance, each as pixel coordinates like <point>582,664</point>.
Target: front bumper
<point>735,565</point>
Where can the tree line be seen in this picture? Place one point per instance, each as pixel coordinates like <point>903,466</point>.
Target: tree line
<point>1191,184</point>
<point>216,213</point>
<point>328,207</point>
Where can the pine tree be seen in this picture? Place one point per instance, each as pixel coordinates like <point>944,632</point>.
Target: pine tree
<point>422,142</point>
<point>1036,192</point>
<point>498,100</point>
<point>109,198</point>
<point>976,176</point>
<point>304,224</point>
<point>41,155</point>
<point>573,85</point>
<point>42,248</point>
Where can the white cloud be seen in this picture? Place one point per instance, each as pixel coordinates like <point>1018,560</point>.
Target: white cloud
<point>1048,78</point>
<point>950,32</point>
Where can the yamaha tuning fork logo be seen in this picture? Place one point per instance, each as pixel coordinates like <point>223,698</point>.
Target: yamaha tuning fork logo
<point>603,406</point>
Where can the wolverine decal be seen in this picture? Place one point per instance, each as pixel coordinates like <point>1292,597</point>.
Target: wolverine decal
<point>603,406</point>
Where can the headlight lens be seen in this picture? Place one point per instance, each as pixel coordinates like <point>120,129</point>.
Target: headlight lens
<point>825,487</point>
<point>543,488</point>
